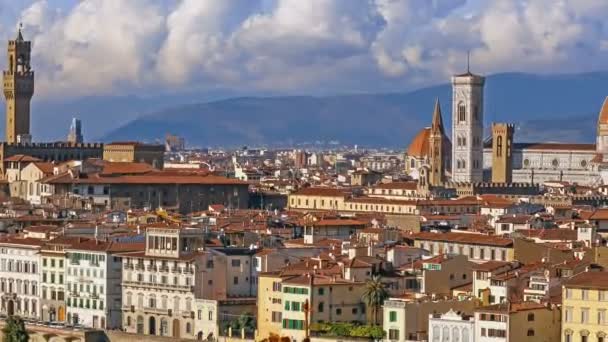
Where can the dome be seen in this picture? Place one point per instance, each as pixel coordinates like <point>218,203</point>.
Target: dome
<point>419,147</point>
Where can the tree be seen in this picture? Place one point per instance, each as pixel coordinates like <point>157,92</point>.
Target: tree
<point>374,295</point>
<point>14,330</point>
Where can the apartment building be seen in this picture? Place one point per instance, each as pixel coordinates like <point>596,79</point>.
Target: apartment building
<point>525,321</point>
<point>283,303</point>
<point>20,277</point>
<point>230,273</point>
<point>406,318</point>
<point>584,306</point>
<point>477,247</point>
<point>93,279</point>
<point>160,283</point>
<point>53,288</point>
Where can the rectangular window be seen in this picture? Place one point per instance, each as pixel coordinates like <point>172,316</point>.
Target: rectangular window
<point>584,315</point>
<point>392,316</point>
<point>393,334</point>
<point>585,294</point>
<point>236,263</point>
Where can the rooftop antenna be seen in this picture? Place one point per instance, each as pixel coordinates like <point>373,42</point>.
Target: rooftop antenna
<point>468,61</point>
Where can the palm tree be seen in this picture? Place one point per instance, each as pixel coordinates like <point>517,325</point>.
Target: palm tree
<point>14,330</point>
<point>374,295</point>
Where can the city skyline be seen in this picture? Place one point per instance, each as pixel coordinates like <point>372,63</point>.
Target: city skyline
<point>326,47</point>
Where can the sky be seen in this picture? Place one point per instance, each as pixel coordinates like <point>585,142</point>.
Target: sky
<point>147,47</point>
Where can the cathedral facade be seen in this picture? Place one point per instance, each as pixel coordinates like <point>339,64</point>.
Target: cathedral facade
<point>473,155</point>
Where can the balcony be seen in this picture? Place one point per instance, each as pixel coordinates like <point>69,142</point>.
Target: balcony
<point>128,266</point>
<point>156,310</point>
<point>188,288</point>
<point>139,267</point>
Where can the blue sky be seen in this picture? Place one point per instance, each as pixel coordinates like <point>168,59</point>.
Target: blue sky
<point>104,47</point>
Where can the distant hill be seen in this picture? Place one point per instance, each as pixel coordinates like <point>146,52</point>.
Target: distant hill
<point>556,108</point>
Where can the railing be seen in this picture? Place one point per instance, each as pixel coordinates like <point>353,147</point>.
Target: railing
<point>159,285</point>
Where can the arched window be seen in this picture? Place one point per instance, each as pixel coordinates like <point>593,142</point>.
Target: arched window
<point>499,146</point>
<point>446,334</point>
<point>129,321</point>
<point>462,112</point>
<point>436,334</point>
<point>465,335</point>
<point>188,328</point>
<point>455,335</point>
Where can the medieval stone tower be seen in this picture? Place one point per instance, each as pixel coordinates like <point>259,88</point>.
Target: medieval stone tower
<point>502,155</point>
<point>437,164</point>
<point>18,90</point>
<point>467,127</point>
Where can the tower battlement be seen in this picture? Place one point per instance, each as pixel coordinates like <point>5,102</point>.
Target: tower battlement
<point>18,88</point>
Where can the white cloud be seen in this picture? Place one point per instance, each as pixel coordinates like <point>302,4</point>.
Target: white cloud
<point>106,46</point>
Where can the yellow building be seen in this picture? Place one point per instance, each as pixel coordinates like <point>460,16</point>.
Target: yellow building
<point>477,247</point>
<point>134,152</point>
<point>282,301</point>
<point>584,306</point>
<point>525,321</point>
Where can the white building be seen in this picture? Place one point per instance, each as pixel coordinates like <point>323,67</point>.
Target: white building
<point>451,327</point>
<point>467,127</point>
<point>20,277</point>
<point>161,283</point>
<point>206,323</point>
<point>94,274</point>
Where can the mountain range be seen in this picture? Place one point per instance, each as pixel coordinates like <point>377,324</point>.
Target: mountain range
<point>543,107</point>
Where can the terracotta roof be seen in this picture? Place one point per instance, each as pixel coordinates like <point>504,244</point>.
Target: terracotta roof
<point>21,158</point>
<point>512,307</point>
<point>46,168</point>
<point>337,222</point>
<point>110,168</point>
<point>475,239</point>
<point>603,117</point>
<point>376,200</point>
<point>152,178</point>
<point>419,147</point>
<point>550,234</point>
<point>490,266</point>
<point>592,280</point>
<point>398,185</point>
<point>599,214</point>
<point>515,219</point>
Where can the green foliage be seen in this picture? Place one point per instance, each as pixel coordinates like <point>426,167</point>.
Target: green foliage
<point>347,330</point>
<point>14,330</point>
<point>374,295</point>
<point>370,331</point>
<point>244,321</point>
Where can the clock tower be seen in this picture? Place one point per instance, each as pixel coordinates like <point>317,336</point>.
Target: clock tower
<point>18,90</point>
<point>467,127</point>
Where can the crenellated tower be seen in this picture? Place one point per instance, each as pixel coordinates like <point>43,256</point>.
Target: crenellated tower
<point>18,90</point>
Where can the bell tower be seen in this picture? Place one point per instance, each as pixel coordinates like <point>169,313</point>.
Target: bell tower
<point>502,154</point>
<point>18,90</point>
<point>437,164</point>
<point>467,127</point>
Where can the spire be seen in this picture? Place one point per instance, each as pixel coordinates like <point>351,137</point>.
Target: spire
<point>437,125</point>
<point>19,34</point>
<point>468,61</point>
